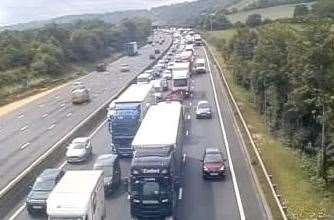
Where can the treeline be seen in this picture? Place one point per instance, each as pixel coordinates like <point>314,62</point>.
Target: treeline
<point>46,51</point>
<point>289,73</point>
<point>270,3</point>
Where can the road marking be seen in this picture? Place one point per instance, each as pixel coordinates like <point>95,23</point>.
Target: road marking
<point>24,128</point>
<point>188,117</point>
<point>234,179</point>
<point>24,145</point>
<point>21,116</point>
<point>180,193</point>
<point>51,127</point>
<point>62,105</point>
<point>45,115</point>
<point>17,212</point>
<point>187,132</point>
<point>97,129</point>
<point>68,114</point>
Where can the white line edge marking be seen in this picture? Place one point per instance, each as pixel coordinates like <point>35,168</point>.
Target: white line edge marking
<point>24,128</point>
<point>180,193</point>
<point>69,114</point>
<point>45,115</point>
<point>51,127</point>
<point>234,179</point>
<point>24,145</point>
<point>21,208</point>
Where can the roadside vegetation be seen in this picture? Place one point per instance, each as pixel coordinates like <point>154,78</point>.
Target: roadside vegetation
<point>281,74</point>
<point>38,57</point>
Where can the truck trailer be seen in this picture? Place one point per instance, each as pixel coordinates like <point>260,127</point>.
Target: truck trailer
<point>78,195</point>
<point>132,49</point>
<point>129,110</point>
<point>156,168</point>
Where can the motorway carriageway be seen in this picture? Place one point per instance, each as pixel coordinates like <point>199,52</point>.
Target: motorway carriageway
<point>31,130</point>
<point>199,199</point>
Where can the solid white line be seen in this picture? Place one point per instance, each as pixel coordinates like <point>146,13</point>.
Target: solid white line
<point>234,179</point>
<point>24,128</point>
<point>45,115</point>
<point>98,128</point>
<point>51,127</point>
<point>24,145</point>
<point>69,114</point>
<point>17,212</point>
<point>180,193</point>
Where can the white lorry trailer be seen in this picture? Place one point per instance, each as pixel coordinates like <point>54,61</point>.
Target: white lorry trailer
<point>79,195</point>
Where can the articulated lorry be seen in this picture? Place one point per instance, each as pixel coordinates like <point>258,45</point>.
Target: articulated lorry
<point>79,195</point>
<point>128,111</point>
<point>156,168</point>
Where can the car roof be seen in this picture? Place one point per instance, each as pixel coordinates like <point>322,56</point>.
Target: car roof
<point>212,150</point>
<point>202,102</point>
<point>80,140</point>
<point>49,174</point>
<point>105,160</point>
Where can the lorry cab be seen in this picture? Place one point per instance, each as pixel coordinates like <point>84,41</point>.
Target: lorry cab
<point>181,81</point>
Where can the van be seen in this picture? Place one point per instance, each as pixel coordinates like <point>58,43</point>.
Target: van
<point>200,66</point>
<point>110,165</point>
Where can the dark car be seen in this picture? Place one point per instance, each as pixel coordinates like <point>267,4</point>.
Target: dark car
<point>213,164</point>
<point>101,67</point>
<point>157,51</point>
<point>152,56</point>
<point>110,165</point>
<point>44,184</point>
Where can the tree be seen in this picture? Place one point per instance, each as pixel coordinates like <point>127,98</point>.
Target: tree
<point>301,10</point>
<point>323,8</point>
<point>254,20</point>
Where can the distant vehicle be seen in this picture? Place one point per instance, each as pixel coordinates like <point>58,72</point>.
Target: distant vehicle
<point>157,51</point>
<point>77,85</point>
<point>152,56</point>
<point>156,168</point>
<point>213,164</point>
<point>79,195</point>
<point>111,110</point>
<point>190,48</point>
<point>44,184</point>
<point>200,66</point>
<point>125,67</point>
<point>160,85</point>
<point>167,74</point>
<point>198,40</point>
<point>132,49</point>
<point>144,78</point>
<point>101,67</point>
<point>151,73</point>
<point>181,82</point>
<point>170,65</point>
<point>109,163</point>
<point>79,94</point>
<point>203,110</point>
<point>79,150</point>
<point>130,109</point>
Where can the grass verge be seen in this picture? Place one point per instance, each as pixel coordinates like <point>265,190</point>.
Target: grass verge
<point>303,199</point>
<point>12,93</point>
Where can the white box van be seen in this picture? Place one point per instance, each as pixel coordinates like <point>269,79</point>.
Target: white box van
<point>78,195</point>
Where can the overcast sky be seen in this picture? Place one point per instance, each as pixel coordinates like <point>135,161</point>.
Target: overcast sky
<point>20,11</point>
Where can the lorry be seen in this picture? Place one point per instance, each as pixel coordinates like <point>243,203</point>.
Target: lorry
<point>181,82</point>
<point>156,168</point>
<point>78,195</point>
<point>132,49</point>
<point>129,110</point>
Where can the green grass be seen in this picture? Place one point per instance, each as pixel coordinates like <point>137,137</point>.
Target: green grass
<point>303,199</point>
<point>273,13</point>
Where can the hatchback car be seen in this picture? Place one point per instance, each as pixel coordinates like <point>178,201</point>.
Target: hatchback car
<point>79,150</point>
<point>80,94</point>
<point>125,67</point>
<point>110,165</point>
<point>44,184</point>
<point>203,110</point>
<point>213,164</point>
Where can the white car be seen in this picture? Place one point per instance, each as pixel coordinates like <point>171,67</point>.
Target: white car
<point>125,67</point>
<point>167,74</point>
<point>79,95</point>
<point>79,150</point>
<point>203,110</point>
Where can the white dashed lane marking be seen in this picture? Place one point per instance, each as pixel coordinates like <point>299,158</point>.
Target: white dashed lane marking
<point>24,145</point>
<point>24,128</point>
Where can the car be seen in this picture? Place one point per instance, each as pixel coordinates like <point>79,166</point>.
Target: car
<point>110,165</point>
<point>101,67</point>
<point>157,51</point>
<point>125,67</point>
<point>80,94</point>
<point>39,193</point>
<point>167,74</point>
<point>152,56</point>
<point>79,150</point>
<point>213,164</point>
<point>203,110</point>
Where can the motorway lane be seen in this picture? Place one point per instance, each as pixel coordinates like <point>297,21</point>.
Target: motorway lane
<point>211,200</point>
<point>30,130</point>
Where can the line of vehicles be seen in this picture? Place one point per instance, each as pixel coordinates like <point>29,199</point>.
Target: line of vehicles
<point>146,122</point>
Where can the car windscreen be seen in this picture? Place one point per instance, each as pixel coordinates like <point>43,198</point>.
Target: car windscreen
<point>149,188</point>
<point>40,185</point>
<point>203,105</point>
<point>213,158</point>
<point>77,145</point>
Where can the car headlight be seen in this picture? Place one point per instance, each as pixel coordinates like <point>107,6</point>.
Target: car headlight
<point>164,200</point>
<point>136,200</point>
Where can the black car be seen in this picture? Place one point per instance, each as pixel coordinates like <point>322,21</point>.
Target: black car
<point>213,164</point>
<point>44,184</point>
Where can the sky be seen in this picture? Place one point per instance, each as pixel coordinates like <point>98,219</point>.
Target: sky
<point>21,11</point>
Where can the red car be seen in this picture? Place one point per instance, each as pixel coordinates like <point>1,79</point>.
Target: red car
<point>213,164</point>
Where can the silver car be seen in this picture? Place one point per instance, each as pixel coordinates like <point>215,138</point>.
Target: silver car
<point>203,110</point>
<point>79,150</point>
<point>125,67</point>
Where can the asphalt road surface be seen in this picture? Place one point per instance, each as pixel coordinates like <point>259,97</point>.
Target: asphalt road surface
<point>32,129</point>
<point>201,199</point>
